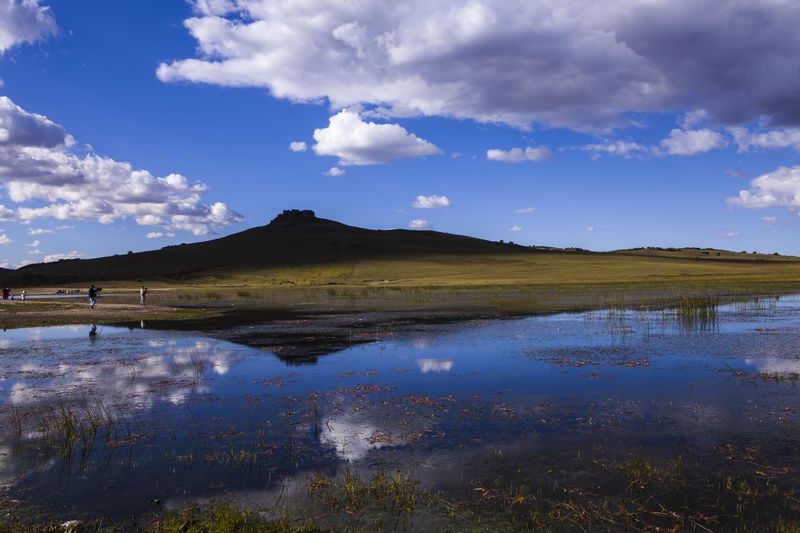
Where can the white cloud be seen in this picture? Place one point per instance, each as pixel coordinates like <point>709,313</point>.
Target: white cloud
<point>4,239</point>
<point>771,139</point>
<point>36,251</point>
<point>39,231</point>
<point>780,188</point>
<point>773,220</point>
<point>24,21</point>
<point>727,234</point>
<point>581,64</point>
<point>159,235</point>
<point>334,171</point>
<point>21,129</point>
<point>34,244</point>
<point>356,142</point>
<point>5,263</point>
<point>515,228</point>
<point>589,228</point>
<point>691,142</point>
<point>693,118</point>
<point>419,223</point>
<point>734,173</point>
<point>37,165</point>
<point>74,254</point>
<point>517,155</point>
<point>298,146</point>
<point>64,226</point>
<point>26,262</point>
<point>616,148</point>
<point>525,210</point>
<point>430,202</point>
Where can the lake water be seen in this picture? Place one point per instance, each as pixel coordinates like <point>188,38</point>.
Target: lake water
<point>576,408</point>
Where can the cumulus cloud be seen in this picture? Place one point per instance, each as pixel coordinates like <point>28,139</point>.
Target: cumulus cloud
<point>4,239</point>
<point>6,214</point>
<point>159,235</point>
<point>691,142</point>
<point>693,118</point>
<point>24,21</point>
<point>586,64</point>
<point>430,202</point>
<point>335,171</point>
<point>298,146</point>
<point>74,254</point>
<point>39,231</point>
<point>771,139</point>
<point>727,234</point>
<point>517,155</point>
<point>780,188</point>
<point>28,130</point>
<point>38,166</point>
<point>419,223</point>
<point>525,210</point>
<point>356,142</point>
<point>34,244</point>
<point>616,148</point>
<point>515,228</point>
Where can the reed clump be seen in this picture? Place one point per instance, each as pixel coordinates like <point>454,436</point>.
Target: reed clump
<point>698,311</point>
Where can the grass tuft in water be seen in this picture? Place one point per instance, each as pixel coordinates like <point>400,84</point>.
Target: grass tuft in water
<point>385,490</point>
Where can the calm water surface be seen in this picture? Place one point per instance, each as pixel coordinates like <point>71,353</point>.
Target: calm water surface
<point>107,424</point>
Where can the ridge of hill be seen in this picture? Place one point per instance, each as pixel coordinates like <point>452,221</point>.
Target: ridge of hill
<point>298,248</point>
<point>293,238</point>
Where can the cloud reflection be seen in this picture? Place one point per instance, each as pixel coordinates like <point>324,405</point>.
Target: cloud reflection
<point>775,366</point>
<point>434,365</point>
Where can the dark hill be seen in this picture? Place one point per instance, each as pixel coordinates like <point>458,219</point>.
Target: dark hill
<point>293,238</point>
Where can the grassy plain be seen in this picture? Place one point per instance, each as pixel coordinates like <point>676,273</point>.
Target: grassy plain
<point>515,283</point>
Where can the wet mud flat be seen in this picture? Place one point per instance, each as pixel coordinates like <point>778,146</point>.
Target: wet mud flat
<point>613,419</point>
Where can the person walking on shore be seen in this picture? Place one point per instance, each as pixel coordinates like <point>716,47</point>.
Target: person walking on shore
<point>92,297</point>
<point>142,295</point>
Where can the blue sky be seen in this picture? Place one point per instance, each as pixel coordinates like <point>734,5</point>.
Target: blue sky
<point>620,140</point>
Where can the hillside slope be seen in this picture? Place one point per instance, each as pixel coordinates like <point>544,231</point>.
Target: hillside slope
<point>299,249</point>
<point>293,238</point>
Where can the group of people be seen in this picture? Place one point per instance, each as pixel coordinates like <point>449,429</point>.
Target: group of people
<point>94,291</point>
<point>7,295</point>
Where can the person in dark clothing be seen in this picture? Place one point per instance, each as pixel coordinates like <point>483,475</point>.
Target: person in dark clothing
<point>93,296</point>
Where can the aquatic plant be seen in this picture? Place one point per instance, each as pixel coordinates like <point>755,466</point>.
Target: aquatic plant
<point>698,312</point>
<point>354,494</point>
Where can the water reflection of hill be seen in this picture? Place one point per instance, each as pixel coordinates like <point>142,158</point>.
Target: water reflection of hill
<point>301,338</point>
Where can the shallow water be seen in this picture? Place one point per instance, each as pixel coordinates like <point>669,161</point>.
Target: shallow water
<point>106,425</point>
